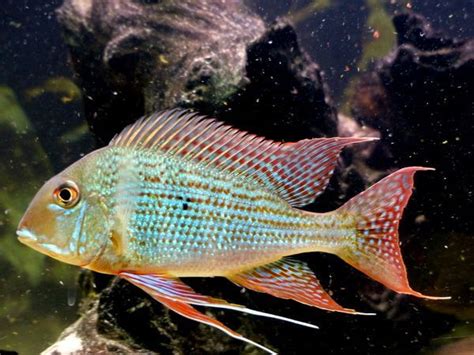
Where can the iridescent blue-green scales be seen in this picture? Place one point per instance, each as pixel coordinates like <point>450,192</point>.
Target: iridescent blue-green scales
<point>190,220</point>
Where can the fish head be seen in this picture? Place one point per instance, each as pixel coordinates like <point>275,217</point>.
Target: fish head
<point>66,221</point>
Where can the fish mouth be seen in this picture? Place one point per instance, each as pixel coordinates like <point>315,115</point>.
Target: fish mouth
<point>26,236</point>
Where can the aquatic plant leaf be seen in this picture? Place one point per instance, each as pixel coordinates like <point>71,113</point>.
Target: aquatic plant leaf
<point>23,160</point>
<point>64,87</point>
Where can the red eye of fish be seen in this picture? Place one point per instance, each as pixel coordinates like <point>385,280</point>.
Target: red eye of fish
<point>67,195</point>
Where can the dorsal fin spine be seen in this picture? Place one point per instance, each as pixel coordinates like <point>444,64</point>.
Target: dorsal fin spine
<point>174,148</point>
<point>199,154</point>
<point>144,126</point>
<point>131,138</point>
<point>162,133</point>
<point>234,156</point>
<point>223,142</point>
<point>197,127</point>
<point>170,138</point>
<point>239,135</point>
<point>192,139</point>
<point>256,161</point>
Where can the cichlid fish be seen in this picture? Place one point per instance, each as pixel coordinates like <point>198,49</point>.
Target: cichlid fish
<point>180,195</point>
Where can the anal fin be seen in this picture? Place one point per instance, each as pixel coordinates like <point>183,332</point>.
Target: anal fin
<point>289,279</point>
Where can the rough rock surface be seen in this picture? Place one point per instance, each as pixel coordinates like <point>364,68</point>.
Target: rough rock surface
<point>420,98</point>
<point>134,57</point>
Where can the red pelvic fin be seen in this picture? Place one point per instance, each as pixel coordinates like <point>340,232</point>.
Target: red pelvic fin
<point>289,279</point>
<point>378,210</point>
<point>190,312</point>
<point>170,287</point>
<point>179,297</point>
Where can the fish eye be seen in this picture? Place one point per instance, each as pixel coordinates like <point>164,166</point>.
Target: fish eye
<point>67,194</point>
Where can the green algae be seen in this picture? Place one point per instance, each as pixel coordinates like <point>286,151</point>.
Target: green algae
<point>75,134</point>
<point>299,15</point>
<point>61,86</point>
<point>378,40</point>
<point>381,37</point>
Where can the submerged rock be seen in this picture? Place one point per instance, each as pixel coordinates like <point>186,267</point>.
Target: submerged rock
<point>420,98</point>
<point>135,57</point>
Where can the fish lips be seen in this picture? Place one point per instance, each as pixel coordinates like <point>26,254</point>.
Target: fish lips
<point>25,236</point>
<point>28,238</point>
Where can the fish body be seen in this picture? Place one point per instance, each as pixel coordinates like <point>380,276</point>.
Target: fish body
<point>170,215</point>
<point>179,195</point>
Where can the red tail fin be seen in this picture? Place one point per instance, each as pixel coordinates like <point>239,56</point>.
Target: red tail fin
<point>376,251</point>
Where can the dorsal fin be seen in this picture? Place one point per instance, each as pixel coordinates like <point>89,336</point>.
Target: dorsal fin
<point>297,172</point>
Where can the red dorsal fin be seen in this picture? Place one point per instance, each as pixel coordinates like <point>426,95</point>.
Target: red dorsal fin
<point>289,279</point>
<point>377,211</point>
<point>298,172</point>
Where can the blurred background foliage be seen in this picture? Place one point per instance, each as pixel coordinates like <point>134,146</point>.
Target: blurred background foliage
<point>27,277</point>
<point>41,132</point>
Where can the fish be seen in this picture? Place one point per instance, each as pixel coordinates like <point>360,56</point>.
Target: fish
<point>177,194</point>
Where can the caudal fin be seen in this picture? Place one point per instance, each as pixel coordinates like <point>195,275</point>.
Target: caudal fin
<point>377,211</point>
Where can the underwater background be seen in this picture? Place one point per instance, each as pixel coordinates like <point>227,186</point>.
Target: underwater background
<point>44,128</point>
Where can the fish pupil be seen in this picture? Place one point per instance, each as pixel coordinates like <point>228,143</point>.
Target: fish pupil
<point>65,195</point>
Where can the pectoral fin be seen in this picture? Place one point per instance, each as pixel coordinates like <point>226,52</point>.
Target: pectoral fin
<point>289,279</point>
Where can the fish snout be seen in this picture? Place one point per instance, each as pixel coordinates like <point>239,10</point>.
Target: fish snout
<point>25,233</point>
